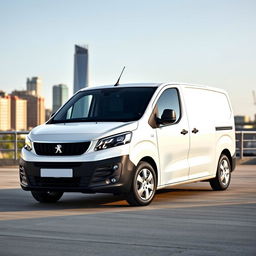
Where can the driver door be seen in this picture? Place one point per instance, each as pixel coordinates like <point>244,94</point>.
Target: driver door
<point>173,139</point>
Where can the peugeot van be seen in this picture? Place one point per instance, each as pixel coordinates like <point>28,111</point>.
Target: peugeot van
<point>131,139</point>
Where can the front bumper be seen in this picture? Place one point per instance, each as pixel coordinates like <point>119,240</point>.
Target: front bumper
<point>88,177</point>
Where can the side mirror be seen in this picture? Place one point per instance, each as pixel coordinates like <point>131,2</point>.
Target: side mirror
<point>168,117</point>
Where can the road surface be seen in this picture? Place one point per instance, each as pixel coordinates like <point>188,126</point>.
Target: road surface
<point>184,220</point>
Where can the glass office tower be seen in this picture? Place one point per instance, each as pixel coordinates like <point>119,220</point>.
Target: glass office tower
<point>80,67</point>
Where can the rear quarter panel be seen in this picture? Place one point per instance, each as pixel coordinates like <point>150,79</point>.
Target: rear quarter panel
<point>225,127</point>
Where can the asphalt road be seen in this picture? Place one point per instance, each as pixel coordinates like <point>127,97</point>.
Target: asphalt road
<point>185,220</point>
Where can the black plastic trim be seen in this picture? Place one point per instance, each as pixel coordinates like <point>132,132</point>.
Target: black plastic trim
<point>233,162</point>
<point>67,149</point>
<point>223,128</point>
<point>87,177</point>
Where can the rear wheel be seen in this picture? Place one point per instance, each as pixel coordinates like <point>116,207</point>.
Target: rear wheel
<point>46,196</point>
<point>143,186</point>
<point>223,175</point>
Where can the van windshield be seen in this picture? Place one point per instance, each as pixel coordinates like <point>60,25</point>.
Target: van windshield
<point>106,105</point>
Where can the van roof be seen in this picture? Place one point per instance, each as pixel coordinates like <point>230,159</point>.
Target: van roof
<point>184,85</point>
<point>124,85</point>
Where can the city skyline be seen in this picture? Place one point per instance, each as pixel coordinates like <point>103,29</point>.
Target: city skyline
<point>26,108</point>
<point>81,59</point>
<point>59,96</point>
<point>202,42</point>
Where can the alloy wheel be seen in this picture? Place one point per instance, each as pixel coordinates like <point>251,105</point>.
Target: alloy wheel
<point>145,184</point>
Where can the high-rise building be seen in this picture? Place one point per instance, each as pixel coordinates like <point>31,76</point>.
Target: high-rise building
<point>59,96</point>
<point>2,93</point>
<point>34,86</point>
<point>5,113</point>
<point>18,113</point>
<point>35,108</point>
<point>48,113</point>
<point>80,67</point>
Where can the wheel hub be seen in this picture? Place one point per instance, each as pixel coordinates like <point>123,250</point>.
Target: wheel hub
<point>145,184</point>
<point>224,172</point>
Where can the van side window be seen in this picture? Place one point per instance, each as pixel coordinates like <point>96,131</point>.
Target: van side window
<point>169,100</point>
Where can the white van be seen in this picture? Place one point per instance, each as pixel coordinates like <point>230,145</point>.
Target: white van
<point>131,139</point>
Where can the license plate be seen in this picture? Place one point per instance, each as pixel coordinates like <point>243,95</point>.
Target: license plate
<point>56,173</point>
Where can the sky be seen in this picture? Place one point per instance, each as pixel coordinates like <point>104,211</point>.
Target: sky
<point>193,41</point>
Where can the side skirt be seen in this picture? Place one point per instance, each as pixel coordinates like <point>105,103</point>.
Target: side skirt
<point>204,178</point>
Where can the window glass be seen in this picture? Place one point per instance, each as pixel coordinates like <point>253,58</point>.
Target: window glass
<point>103,105</point>
<point>80,109</point>
<point>169,100</point>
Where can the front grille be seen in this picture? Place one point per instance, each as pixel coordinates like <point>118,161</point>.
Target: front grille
<point>61,149</point>
<point>55,182</point>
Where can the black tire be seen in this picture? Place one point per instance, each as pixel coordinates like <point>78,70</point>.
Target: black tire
<point>223,174</point>
<point>47,196</point>
<point>143,186</point>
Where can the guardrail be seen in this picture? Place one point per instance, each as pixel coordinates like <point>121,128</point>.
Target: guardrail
<point>246,144</point>
<point>12,141</point>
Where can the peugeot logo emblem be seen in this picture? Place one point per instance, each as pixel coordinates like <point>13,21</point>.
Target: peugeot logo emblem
<point>58,149</point>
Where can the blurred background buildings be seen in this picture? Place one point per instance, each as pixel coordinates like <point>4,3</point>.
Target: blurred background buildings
<point>34,86</point>
<point>22,110</point>
<point>59,96</point>
<point>35,107</point>
<point>80,67</point>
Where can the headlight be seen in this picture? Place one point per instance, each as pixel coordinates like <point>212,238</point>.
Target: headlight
<point>114,141</point>
<point>28,144</point>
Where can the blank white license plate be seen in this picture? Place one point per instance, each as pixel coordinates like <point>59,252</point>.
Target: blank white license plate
<point>57,173</point>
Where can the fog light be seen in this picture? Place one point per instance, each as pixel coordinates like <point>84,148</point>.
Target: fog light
<point>113,180</point>
<point>115,167</point>
<point>107,181</point>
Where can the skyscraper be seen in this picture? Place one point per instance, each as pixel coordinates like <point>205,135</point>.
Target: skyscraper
<point>5,113</point>
<point>35,108</point>
<point>59,96</point>
<point>80,67</point>
<point>18,113</point>
<point>13,112</point>
<point>34,86</point>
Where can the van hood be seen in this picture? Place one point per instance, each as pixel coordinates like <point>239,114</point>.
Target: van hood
<point>72,132</point>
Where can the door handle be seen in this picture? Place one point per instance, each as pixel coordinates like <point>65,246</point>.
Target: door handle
<point>195,130</point>
<point>184,132</point>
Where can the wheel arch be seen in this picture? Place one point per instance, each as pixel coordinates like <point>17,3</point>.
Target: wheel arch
<point>226,145</point>
<point>151,161</point>
<point>227,153</point>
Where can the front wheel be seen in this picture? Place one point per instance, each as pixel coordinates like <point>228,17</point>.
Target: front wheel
<point>47,196</point>
<point>143,186</point>
<point>223,175</point>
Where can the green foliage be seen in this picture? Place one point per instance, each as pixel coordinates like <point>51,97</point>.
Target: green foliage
<point>7,144</point>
